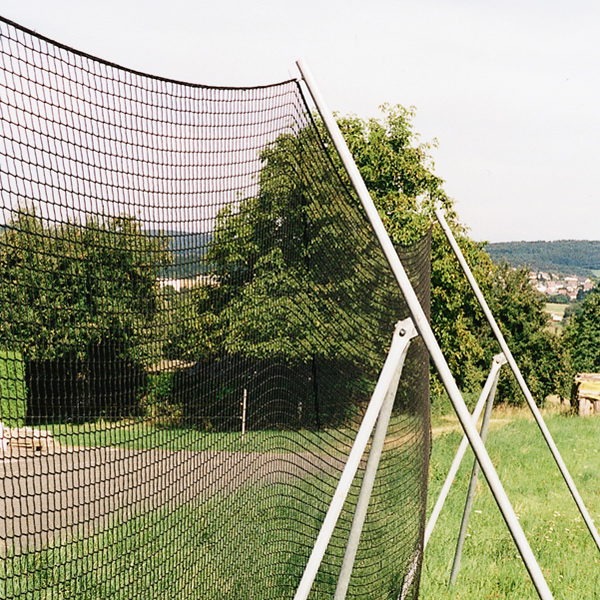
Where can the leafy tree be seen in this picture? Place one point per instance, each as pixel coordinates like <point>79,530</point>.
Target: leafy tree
<point>582,335</point>
<point>283,248</point>
<point>301,283</point>
<point>67,286</point>
<point>79,302</point>
<point>295,244</point>
<point>398,172</point>
<point>540,354</point>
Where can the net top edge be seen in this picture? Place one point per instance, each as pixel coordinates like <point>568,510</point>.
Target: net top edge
<point>31,32</point>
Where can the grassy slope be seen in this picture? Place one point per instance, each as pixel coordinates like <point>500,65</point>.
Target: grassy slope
<point>491,567</point>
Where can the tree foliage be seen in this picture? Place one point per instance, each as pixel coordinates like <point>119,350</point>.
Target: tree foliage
<point>287,278</point>
<point>582,335</point>
<point>539,352</point>
<point>300,282</point>
<point>66,286</point>
<point>398,172</point>
<point>79,303</point>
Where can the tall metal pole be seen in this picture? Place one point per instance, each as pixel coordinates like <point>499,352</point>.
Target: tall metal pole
<point>424,329</point>
<point>491,380</point>
<point>520,379</point>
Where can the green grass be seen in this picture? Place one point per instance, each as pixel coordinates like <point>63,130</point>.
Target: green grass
<point>556,309</point>
<point>186,552</point>
<point>144,436</point>
<point>251,543</point>
<point>491,566</point>
<point>202,549</point>
<point>13,391</point>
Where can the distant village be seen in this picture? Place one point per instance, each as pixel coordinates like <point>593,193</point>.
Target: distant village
<point>558,287</point>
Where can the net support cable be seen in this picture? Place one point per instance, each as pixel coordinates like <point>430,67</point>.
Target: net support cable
<point>521,380</point>
<point>379,411</point>
<point>426,333</point>
<point>486,393</point>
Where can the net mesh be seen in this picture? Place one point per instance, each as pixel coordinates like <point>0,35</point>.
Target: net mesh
<point>193,315</point>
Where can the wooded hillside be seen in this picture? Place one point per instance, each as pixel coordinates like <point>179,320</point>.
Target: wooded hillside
<point>563,257</point>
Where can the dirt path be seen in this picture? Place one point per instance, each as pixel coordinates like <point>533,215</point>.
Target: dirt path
<point>56,495</point>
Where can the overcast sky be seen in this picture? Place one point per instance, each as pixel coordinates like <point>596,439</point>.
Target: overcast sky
<point>510,89</point>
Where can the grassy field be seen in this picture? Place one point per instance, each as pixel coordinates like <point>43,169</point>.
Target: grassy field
<point>188,549</point>
<point>491,566</point>
<point>249,543</point>
<point>556,309</point>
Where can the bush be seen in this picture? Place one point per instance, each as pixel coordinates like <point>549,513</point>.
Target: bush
<point>103,384</point>
<point>160,405</point>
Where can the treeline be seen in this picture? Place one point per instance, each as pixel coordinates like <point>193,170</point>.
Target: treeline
<point>562,257</point>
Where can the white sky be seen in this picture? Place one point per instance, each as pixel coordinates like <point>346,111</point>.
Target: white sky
<point>510,88</point>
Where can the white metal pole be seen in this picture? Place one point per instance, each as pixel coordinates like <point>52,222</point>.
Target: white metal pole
<point>244,406</point>
<point>424,329</point>
<point>368,480</point>
<point>497,363</point>
<point>520,379</point>
<point>399,343</point>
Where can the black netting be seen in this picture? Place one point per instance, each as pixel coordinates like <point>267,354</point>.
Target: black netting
<point>193,315</point>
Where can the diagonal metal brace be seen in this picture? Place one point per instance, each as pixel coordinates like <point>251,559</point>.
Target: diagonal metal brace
<point>489,386</point>
<point>405,331</point>
<point>368,480</point>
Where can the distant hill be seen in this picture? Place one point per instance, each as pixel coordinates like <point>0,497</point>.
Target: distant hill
<point>563,257</point>
<point>188,249</point>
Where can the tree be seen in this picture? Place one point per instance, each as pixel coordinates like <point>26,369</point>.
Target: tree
<point>79,302</point>
<point>540,353</point>
<point>398,172</point>
<point>301,282</point>
<point>297,243</point>
<point>582,335</point>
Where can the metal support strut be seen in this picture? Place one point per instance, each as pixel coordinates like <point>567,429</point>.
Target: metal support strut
<point>473,483</point>
<point>388,378</point>
<point>486,392</point>
<point>521,381</point>
<point>368,480</point>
